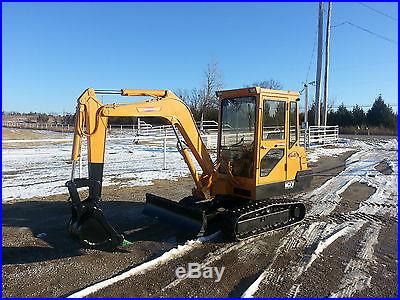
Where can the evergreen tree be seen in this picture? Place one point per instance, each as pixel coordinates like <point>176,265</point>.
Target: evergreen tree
<point>358,116</point>
<point>343,116</point>
<point>381,114</point>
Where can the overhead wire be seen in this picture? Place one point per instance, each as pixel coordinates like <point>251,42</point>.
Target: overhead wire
<point>312,56</point>
<point>366,30</point>
<point>378,11</point>
<point>360,28</point>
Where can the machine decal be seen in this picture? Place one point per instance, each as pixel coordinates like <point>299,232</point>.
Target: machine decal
<point>289,184</point>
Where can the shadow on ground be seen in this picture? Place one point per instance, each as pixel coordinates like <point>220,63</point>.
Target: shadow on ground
<point>36,231</point>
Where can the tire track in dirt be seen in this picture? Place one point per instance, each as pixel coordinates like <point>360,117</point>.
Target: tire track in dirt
<point>322,207</point>
<point>383,270</point>
<point>237,258</point>
<point>247,261</point>
<point>162,281</point>
<point>294,257</point>
<point>356,277</point>
<point>144,267</point>
<point>150,282</point>
<point>183,288</point>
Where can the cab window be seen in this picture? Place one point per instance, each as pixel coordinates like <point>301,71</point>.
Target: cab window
<point>274,120</point>
<point>292,124</point>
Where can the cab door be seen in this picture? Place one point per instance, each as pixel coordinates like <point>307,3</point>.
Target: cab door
<point>272,146</point>
<point>293,136</point>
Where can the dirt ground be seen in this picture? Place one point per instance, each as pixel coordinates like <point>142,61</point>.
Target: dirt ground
<point>41,260</point>
<point>26,134</point>
<point>18,134</point>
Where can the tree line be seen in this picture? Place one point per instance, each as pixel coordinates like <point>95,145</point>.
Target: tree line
<point>379,115</point>
<point>203,104</point>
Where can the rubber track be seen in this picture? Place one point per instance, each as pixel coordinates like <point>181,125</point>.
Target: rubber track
<point>233,215</point>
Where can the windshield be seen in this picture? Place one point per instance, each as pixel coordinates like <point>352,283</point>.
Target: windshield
<point>237,134</point>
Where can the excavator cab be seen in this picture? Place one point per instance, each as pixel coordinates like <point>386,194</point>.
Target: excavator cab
<point>258,157</point>
<point>259,141</point>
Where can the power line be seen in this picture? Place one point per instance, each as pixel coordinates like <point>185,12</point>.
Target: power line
<point>367,30</point>
<point>373,33</point>
<point>312,56</point>
<point>377,11</point>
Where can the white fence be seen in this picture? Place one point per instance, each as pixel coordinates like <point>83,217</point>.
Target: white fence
<point>208,126</point>
<point>314,136</point>
<point>320,135</point>
<point>163,136</point>
<point>139,129</point>
<point>39,126</point>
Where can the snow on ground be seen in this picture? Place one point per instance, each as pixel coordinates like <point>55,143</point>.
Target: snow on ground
<point>315,153</point>
<point>174,253</point>
<point>345,145</point>
<point>360,167</point>
<point>43,170</point>
<point>356,276</point>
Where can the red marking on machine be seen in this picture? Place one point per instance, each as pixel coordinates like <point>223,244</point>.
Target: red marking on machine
<point>148,109</point>
<point>293,155</point>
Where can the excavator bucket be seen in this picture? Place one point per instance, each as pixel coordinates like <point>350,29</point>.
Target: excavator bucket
<point>176,213</point>
<point>88,223</point>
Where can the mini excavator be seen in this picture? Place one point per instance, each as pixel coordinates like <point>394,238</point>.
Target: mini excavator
<point>259,157</point>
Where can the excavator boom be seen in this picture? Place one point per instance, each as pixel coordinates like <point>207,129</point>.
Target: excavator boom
<point>92,119</point>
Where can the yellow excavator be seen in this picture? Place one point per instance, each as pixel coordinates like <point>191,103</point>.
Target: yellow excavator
<point>258,156</point>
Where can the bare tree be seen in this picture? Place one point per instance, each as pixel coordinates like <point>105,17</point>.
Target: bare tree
<point>268,84</point>
<point>203,101</point>
<point>331,103</point>
<point>195,97</point>
<point>183,94</point>
<point>213,82</point>
<point>192,98</point>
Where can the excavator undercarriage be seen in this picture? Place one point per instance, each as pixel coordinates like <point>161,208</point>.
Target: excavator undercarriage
<point>258,156</point>
<point>237,218</point>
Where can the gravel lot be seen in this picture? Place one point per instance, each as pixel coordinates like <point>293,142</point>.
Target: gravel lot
<point>346,246</point>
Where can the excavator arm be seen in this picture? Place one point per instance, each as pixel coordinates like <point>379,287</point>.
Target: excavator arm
<point>92,119</point>
<point>88,222</point>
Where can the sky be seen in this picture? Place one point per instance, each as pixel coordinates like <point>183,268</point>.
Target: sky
<point>53,51</point>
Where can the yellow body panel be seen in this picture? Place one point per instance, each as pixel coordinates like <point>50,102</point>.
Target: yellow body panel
<point>294,158</point>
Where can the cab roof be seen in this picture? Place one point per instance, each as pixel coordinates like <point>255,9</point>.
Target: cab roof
<point>251,91</point>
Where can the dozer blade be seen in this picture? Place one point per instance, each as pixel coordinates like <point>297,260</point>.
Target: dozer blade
<point>88,223</point>
<point>189,218</point>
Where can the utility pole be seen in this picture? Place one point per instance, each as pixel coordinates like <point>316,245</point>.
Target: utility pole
<point>319,65</point>
<point>328,30</point>
<point>306,101</point>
